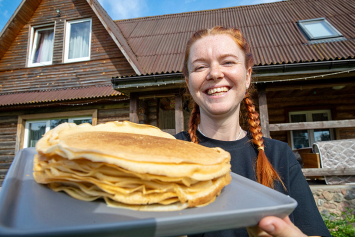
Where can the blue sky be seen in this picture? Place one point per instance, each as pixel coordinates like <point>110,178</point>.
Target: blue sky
<point>124,9</point>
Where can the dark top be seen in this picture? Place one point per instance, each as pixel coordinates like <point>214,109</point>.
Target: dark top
<point>243,157</point>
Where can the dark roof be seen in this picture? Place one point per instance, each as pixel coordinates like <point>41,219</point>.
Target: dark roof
<point>57,95</point>
<point>271,29</point>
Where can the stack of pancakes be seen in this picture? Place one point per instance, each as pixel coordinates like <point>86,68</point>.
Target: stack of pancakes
<point>131,166</point>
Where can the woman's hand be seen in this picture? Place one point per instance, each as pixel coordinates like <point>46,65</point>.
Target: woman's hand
<point>274,226</point>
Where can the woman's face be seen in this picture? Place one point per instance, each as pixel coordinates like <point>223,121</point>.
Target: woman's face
<point>218,77</point>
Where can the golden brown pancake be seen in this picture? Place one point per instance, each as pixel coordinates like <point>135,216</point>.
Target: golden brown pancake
<point>130,166</point>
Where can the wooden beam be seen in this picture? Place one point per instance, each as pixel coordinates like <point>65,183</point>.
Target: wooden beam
<point>309,86</point>
<point>264,116</point>
<point>328,171</point>
<point>19,134</point>
<point>179,115</point>
<point>312,125</point>
<point>133,108</point>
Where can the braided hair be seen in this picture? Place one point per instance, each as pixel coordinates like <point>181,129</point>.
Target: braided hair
<point>265,173</point>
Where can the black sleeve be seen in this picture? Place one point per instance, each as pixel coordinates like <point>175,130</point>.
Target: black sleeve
<point>306,215</point>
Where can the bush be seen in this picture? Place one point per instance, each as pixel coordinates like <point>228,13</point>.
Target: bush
<point>340,225</point>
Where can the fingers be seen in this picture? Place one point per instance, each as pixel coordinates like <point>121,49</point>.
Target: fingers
<point>279,227</point>
<point>255,231</point>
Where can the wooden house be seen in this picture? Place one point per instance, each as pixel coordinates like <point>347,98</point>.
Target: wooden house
<point>69,61</point>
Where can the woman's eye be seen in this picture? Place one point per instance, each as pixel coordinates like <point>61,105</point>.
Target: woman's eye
<point>228,62</point>
<point>199,68</point>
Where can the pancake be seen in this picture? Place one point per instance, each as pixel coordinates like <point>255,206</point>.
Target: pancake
<point>130,166</point>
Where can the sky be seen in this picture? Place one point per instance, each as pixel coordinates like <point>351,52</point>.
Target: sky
<point>124,9</point>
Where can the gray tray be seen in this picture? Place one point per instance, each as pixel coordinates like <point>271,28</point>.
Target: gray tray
<point>31,209</point>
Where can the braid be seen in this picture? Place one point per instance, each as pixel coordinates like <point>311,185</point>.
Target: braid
<point>265,173</point>
<point>193,123</point>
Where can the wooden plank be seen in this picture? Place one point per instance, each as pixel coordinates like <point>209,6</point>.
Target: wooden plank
<point>328,171</point>
<point>20,133</point>
<point>264,116</point>
<point>310,160</point>
<point>313,125</point>
<point>179,115</point>
<point>133,108</point>
<point>5,165</point>
<point>330,83</point>
<point>94,118</point>
<point>7,158</point>
<point>77,113</point>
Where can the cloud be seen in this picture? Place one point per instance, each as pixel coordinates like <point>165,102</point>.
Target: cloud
<point>123,9</point>
<point>5,13</point>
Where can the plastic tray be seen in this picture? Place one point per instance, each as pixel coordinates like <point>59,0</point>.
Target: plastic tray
<point>31,209</point>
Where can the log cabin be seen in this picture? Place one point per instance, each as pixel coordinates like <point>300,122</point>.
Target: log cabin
<point>68,61</point>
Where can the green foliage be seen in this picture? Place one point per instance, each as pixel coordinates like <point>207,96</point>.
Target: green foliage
<point>341,225</point>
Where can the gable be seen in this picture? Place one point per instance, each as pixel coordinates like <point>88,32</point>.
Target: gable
<point>106,58</point>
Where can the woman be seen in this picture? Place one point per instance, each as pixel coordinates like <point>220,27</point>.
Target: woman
<point>217,68</point>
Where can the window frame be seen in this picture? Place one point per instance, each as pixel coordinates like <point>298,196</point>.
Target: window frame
<point>21,123</point>
<point>309,34</point>
<point>310,132</point>
<point>67,38</point>
<point>33,38</point>
<point>48,125</point>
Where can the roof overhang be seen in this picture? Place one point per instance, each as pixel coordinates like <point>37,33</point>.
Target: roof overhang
<point>144,83</point>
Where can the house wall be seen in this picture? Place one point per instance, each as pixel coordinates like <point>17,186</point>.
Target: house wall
<point>106,112</point>
<point>106,58</point>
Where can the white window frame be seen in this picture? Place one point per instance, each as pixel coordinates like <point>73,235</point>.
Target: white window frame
<point>309,34</point>
<point>309,119</point>
<point>33,39</point>
<point>67,38</point>
<point>48,125</point>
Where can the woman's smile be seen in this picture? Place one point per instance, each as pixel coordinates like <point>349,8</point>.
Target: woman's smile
<point>217,91</point>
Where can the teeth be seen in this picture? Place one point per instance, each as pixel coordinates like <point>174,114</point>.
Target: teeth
<point>217,90</point>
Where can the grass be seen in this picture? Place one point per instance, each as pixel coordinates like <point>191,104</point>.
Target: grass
<point>341,225</point>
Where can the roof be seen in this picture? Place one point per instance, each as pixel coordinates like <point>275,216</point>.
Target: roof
<point>58,95</point>
<point>271,29</point>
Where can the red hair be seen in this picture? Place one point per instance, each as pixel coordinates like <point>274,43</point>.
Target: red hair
<point>265,173</point>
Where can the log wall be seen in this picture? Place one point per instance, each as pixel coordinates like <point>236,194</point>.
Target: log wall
<point>106,58</point>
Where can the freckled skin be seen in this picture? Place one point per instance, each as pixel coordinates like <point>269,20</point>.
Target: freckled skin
<point>217,61</point>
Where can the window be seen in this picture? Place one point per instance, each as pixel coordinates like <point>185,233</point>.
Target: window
<point>35,129</point>
<point>318,28</point>
<point>305,138</point>
<point>41,46</point>
<point>77,40</point>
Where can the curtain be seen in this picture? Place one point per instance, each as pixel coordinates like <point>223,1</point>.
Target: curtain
<point>37,130</point>
<point>44,46</point>
<point>79,40</point>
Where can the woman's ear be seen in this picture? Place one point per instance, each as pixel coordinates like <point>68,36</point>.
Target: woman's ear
<point>247,78</point>
<point>187,81</point>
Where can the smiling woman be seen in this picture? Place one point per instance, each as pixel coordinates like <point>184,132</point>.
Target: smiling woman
<point>217,68</point>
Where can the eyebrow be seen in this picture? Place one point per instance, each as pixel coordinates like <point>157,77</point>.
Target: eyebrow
<point>222,56</point>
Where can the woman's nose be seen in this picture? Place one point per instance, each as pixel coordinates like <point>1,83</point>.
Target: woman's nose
<point>215,72</point>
